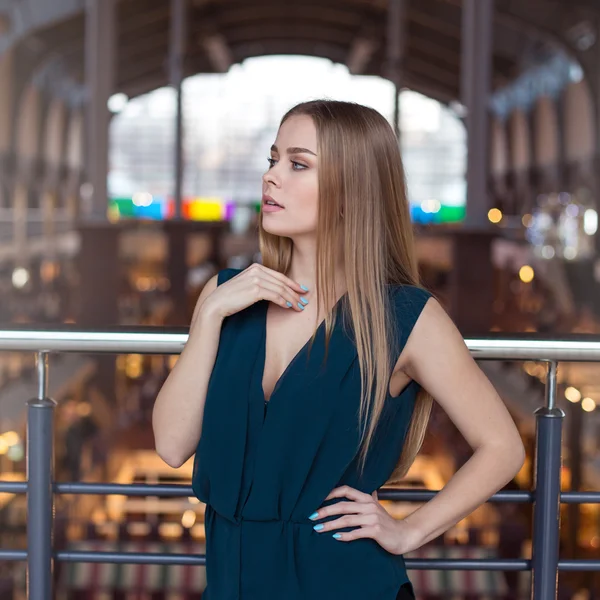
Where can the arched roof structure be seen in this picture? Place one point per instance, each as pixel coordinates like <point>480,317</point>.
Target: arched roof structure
<point>352,32</point>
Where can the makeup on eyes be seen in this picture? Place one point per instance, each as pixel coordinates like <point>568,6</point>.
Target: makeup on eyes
<point>295,164</point>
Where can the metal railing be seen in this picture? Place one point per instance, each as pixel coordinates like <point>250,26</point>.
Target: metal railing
<point>41,488</point>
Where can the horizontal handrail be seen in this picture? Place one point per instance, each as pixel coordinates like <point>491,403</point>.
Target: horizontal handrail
<point>155,340</point>
<point>137,558</point>
<point>122,340</point>
<point>13,555</point>
<point>416,564</point>
<point>13,487</point>
<point>173,490</point>
<point>465,564</point>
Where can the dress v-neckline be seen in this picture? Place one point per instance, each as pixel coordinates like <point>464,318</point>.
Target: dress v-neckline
<point>294,358</point>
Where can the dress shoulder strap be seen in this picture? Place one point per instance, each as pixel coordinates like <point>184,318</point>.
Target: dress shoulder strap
<point>226,274</point>
<point>409,301</point>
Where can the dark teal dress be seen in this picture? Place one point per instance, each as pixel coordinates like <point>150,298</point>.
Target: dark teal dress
<point>262,471</point>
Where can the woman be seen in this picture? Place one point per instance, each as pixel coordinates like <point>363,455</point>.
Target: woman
<point>291,490</point>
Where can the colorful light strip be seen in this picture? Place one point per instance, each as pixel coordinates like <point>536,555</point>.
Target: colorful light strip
<point>145,206</point>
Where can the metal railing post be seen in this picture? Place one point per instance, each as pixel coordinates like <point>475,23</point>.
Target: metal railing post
<point>40,476</point>
<point>546,509</point>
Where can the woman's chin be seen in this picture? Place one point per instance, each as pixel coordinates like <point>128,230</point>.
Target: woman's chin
<point>276,226</point>
<point>270,225</point>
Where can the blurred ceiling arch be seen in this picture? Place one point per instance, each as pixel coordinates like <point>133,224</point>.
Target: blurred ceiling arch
<point>351,32</point>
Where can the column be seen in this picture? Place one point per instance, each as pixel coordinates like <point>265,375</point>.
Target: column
<point>476,51</point>
<point>534,179</point>
<point>176,231</point>
<point>596,165</point>
<point>471,282</point>
<point>561,166</point>
<point>100,45</point>
<point>176,63</point>
<point>20,207</point>
<point>98,256</point>
<point>396,42</point>
<point>98,267</point>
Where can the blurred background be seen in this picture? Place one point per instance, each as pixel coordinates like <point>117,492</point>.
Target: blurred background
<point>133,137</point>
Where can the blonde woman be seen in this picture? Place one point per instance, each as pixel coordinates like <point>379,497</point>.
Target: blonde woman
<point>307,381</point>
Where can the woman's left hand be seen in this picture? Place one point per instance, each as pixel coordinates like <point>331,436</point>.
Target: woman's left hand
<point>372,520</point>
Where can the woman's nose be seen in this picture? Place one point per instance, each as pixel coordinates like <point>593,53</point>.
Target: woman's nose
<point>269,177</point>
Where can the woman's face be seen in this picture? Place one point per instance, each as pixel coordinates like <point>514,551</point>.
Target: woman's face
<point>291,180</point>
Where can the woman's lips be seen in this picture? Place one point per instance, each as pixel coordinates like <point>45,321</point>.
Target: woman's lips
<point>271,208</point>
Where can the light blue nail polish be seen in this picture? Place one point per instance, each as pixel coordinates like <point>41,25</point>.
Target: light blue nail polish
<point>303,299</point>
<point>314,515</point>
<point>318,527</point>
<point>301,306</point>
<point>337,536</point>
<point>289,304</point>
<point>304,287</point>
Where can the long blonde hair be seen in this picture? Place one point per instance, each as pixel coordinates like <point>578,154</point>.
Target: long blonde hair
<point>363,212</point>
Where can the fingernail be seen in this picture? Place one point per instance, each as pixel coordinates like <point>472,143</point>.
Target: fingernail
<point>314,515</point>
<point>301,306</point>
<point>304,287</point>
<point>318,527</point>
<point>303,299</point>
<point>289,304</point>
<point>337,536</point>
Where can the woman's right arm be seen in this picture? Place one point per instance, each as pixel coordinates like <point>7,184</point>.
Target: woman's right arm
<point>179,406</point>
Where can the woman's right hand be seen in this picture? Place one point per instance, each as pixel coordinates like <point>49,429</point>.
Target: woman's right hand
<point>255,283</point>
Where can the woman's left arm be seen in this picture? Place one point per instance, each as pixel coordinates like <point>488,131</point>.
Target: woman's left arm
<point>437,357</point>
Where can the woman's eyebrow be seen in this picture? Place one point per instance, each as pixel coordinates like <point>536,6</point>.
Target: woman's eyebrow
<point>294,150</point>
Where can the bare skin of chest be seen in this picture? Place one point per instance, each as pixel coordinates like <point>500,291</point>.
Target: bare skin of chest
<point>287,332</point>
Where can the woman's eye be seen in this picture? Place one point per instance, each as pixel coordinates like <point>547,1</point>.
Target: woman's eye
<point>295,164</point>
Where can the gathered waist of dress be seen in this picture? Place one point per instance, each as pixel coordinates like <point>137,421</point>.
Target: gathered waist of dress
<point>306,521</point>
<point>267,519</point>
<point>255,515</point>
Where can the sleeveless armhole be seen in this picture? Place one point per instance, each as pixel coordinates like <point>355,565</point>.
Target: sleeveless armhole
<point>409,303</point>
